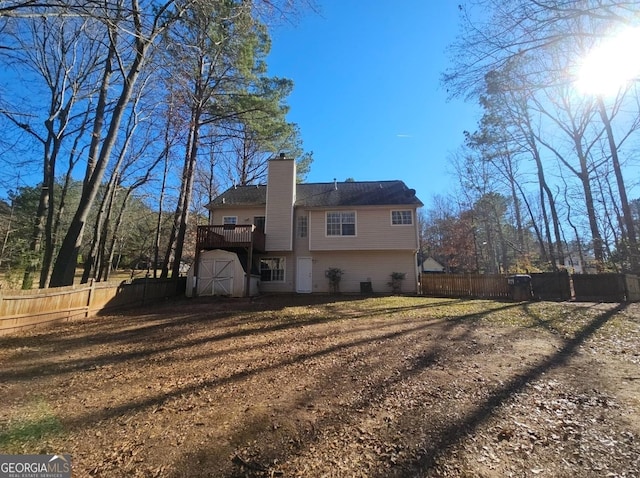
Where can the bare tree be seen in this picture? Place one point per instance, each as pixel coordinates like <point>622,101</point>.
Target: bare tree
<point>577,121</point>
<point>629,230</point>
<point>60,53</point>
<point>127,57</point>
<point>496,33</point>
<point>536,47</point>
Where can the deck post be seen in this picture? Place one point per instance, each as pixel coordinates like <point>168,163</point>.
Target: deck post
<point>247,290</point>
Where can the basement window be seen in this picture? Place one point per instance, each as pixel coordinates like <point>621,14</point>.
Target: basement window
<point>272,269</point>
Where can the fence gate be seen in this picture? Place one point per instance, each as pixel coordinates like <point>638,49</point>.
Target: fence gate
<point>604,287</point>
<point>551,285</point>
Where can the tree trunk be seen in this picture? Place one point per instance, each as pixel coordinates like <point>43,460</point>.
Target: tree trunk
<point>36,239</point>
<point>634,256</point>
<point>90,261</point>
<point>181,216</point>
<point>163,189</point>
<point>535,226</point>
<point>107,264</point>
<point>591,212</point>
<point>545,192</point>
<point>186,190</point>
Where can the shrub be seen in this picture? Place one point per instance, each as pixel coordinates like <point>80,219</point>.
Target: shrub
<point>396,282</point>
<point>334,274</point>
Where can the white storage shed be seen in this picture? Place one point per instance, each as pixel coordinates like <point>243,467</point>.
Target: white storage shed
<point>220,273</point>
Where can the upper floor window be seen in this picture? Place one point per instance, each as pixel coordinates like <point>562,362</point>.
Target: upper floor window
<point>341,223</point>
<point>303,226</point>
<point>402,217</point>
<point>228,220</point>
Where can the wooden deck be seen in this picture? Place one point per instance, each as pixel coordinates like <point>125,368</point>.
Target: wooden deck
<point>230,236</point>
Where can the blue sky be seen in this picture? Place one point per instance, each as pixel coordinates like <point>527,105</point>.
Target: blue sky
<point>367,93</point>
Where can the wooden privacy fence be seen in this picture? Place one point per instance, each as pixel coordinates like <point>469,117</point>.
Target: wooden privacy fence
<point>551,285</point>
<point>606,287</point>
<point>490,286</point>
<point>21,309</point>
<point>609,287</point>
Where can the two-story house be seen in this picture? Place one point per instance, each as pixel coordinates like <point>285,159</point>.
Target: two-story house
<point>291,234</point>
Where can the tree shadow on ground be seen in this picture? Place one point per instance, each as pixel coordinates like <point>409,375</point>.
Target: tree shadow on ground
<point>445,332</point>
<point>429,451</point>
<point>460,429</point>
<point>158,399</point>
<point>153,333</point>
<point>375,350</point>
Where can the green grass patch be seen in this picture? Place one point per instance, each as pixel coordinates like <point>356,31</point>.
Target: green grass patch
<point>554,317</point>
<point>28,426</point>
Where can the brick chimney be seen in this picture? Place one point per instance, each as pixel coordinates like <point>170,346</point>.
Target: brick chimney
<point>281,195</point>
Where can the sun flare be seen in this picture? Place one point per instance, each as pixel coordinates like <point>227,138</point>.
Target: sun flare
<point>611,65</point>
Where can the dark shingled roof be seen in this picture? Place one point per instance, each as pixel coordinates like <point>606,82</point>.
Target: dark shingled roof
<point>354,193</point>
<point>241,196</point>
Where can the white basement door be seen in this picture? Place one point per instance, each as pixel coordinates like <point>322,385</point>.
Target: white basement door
<point>304,280</point>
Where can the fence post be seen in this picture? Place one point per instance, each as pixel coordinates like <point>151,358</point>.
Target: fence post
<point>92,286</point>
<point>144,288</point>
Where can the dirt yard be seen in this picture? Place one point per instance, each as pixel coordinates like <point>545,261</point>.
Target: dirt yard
<point>331,387</point>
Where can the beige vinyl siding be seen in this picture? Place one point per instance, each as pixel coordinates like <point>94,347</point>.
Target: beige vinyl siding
<point>374,231</point>
<point>358,266</point>
<point>280,199</point>
<point>364,266</point>
<point>300,244</point>
<point>245,215</point>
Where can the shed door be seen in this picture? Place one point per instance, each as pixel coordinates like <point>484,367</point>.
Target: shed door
<point>304,282</point>
<point>222,277</point>
<point>215,277</point>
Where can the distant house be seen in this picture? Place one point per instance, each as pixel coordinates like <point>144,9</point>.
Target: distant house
<point>430,265</point>
<point>574,265</point>
<point>290,234</point>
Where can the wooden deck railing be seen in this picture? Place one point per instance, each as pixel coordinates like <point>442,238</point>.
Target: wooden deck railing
<point>220,237</point>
